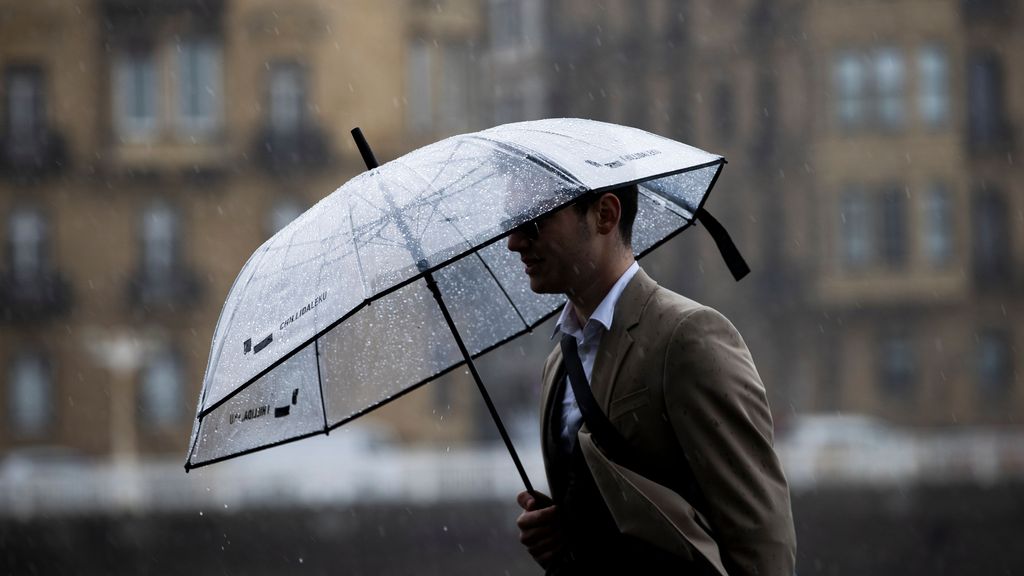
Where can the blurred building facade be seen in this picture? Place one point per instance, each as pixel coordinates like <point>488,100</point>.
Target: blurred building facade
<point>871,185</point>
<point>149,146</point>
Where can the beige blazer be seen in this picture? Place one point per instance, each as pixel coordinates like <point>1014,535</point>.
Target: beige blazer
<point>677,381</point>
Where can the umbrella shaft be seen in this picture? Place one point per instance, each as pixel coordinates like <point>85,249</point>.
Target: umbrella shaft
<point>432,284</point>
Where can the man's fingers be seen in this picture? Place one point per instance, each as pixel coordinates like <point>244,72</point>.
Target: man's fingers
<point>539,530</point>
<point>525,500</point>
<point>533,500</point>
<point>537,518</point>
<point>540,538</point>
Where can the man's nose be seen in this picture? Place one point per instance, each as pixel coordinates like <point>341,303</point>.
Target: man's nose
<point>517,241</point>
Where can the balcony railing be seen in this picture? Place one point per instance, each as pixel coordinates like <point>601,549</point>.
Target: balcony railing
<point>987,11</point>
<point>285,151</point>
<point>39,153</point>
<point>172,291</point>
<point>998,140</point>
<point>46,295</point>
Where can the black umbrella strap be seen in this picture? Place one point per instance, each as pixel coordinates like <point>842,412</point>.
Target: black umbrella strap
<point>733,259</point>
<point>600,426</point>
<point>613,443</point>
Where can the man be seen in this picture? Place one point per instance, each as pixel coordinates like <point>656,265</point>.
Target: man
<point>679,386</point>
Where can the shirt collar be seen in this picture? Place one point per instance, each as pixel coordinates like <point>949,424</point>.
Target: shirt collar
<point>603,314</point>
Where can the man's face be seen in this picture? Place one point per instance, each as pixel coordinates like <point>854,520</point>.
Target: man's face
<point>558,259</point>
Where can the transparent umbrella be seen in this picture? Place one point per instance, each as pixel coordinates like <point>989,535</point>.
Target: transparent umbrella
<point>398,277</point>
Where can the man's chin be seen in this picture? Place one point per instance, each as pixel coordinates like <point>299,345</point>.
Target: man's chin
<point>538,286</point>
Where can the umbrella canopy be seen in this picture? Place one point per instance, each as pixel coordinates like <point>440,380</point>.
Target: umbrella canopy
<point>335,315</point>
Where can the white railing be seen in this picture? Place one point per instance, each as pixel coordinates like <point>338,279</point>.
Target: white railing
<point>261,480</point>
<point>318,474</point>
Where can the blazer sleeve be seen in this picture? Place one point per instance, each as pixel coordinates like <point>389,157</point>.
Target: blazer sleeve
<point>719,413</point>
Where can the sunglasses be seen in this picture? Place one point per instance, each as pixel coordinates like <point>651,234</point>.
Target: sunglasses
<point>529,229</point>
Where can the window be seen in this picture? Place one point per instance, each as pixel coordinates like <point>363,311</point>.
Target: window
<point>187,70</point>
<point>933,91</point>
<point>199,86</point>
<point>287,98</point>
<point>160,230</point>
<point>135,95</point>
<point>897,364</point>
<point>30,395</point>
<point>161,402</point>
<point>27,238</point>
<point>894,227</point>
<point>991,236</point>
<point>849,78</point>
<point>889,82</point>
<point>855,227</point>
<point>993,365</point>
<point>284,211</point>
<point>25,106</point>
<point>938,226</point>
<point>420,109</point>
<point>986,114</point>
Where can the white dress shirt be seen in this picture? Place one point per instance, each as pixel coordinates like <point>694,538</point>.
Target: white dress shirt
<point>588,338</point>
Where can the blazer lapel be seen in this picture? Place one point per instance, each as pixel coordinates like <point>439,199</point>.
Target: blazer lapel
<point>547,407</point>
<point>615,344</point>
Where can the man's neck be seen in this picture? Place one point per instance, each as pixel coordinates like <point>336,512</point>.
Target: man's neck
<point>588,298</point>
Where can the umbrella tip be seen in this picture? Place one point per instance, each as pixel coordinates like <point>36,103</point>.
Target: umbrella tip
<point>364,149</point>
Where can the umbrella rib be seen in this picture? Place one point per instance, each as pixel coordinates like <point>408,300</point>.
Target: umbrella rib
<point>533,156</point>
<point>359,258</point>
<point>430,183</point>
<point>502,288</point>
<point>476,253</point>
<point>320,381</point>
<point>671,203</point>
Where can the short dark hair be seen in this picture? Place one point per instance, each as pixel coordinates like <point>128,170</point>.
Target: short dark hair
<point>627,196</point>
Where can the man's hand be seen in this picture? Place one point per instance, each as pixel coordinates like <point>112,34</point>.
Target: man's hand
<point>539,527</point>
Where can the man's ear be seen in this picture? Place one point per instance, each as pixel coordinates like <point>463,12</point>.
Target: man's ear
<point>609,211</point>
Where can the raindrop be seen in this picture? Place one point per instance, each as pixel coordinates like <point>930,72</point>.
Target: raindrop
<point>301,560</point>
<point>200,512</point>
<point>445,528</point>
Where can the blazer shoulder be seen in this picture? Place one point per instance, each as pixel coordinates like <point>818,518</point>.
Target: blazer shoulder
<point>672,307</point>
